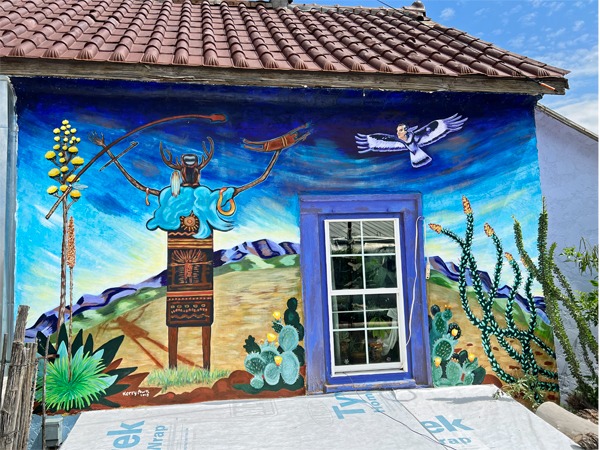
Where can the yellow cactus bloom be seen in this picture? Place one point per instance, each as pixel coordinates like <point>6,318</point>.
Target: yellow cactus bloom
<point>73,149</point>
<point>454,332</point>
<point>508,256</point>
<point>277,360</point>
<point>435,227</point>
<point>71,178</point>
<point>77,161</point>
<point>277,315</point>
<point>437,361</point>
<point>53,173</point>
<point>262,341</point>
<point>57,138</point>
<point>62,160</point>
<point>63,187</point>
<point>56,147</point>
<point>276,344</point>
<point>74,130</point>
<point>56,131</point>
<point>488,230</point>
<point>65,122</point>
<point>51,190</point>
<point>466,205</point>
<point>471,357</point>
<point>64,169</point>
<point>271,337</point>
<point>63,128</point>
<point>50,155</point>
<point>75,194</point>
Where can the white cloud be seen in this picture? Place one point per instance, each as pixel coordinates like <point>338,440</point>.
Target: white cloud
<point>447,13</point>
<point>578,25</point>
<point>517,42</point>
<point>481,11</point>
<point>527,19</point>
<point>554,7</point>
<point>584,113</point>
<point>497,32</point>
<point>556,33</point>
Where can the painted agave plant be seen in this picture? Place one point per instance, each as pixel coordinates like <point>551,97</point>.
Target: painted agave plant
<point>94,375</point>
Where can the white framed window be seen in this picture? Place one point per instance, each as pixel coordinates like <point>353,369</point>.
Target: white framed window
<point>364,286</point>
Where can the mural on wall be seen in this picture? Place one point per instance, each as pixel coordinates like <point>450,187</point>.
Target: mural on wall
<point>143,301</point>
<point>411,139</point>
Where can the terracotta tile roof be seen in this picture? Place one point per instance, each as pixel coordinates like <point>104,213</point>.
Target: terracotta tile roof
<point>233,35</point>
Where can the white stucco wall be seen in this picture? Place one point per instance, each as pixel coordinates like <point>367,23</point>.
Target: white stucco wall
<point>568,161</point>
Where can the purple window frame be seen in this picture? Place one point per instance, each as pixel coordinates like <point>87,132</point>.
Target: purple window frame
<point>314,210</point>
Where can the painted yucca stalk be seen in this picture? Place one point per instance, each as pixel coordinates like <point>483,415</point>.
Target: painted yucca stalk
<point>71,257</point>
<point>488,325</point>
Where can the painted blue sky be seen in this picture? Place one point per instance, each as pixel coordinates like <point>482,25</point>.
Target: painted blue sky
<point>493,161</point>
<point>560,33</point>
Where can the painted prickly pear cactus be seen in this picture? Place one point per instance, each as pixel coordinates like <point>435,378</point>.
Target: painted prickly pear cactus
<point>448,367</point>
<point>276,362</point>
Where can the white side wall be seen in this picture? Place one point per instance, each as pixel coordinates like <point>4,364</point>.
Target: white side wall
<point>568,161</point>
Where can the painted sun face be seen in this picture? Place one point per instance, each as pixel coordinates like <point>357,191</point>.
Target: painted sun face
<point>401,132</point>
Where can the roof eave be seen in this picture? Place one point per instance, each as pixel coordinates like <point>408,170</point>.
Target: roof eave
<point>32,67</point>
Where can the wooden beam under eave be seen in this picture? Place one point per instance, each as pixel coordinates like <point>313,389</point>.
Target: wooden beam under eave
<point>34,67</point>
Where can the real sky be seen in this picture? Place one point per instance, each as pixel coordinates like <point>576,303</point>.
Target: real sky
<point>560,33</point>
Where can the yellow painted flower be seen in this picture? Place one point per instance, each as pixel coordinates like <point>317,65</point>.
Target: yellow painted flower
<point>65,139</point>
<point>57,138</point>
<point>454,332</point>
<point>62,160</point>
<point>75,194</point>
<point>78,139</point>
<point>471,357</point>
<point>508,256</point>
<point>60,154</point>
<point>271,337</point>
<point>63,128</point>
<point>65,147</point>
<point>73,149</point>
<point>77,161</point>
<point>53,173</point>
<point>277,315</point>
<point>68,126</point>
<point>74,130</point>
<point>50,155</point>
<point>67,133</point>
<point>437,361</point>
<point>466,205</point>
<point>56,131</point>
<point>51,190</point>
<point>277,360</point>
<point>262,341</point>
<point>276,344</point>
<point>64,169</point>
<point>63,187</point>
<point>71,178</point>
<point>65,122</point>
<point>435,227</point>
<point>56,147</point>
<point>488,230</point>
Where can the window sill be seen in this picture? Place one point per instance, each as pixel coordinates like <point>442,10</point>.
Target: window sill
<point>399,384</point>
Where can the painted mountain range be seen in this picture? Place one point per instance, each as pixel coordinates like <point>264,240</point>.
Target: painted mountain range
<point>244,257</point>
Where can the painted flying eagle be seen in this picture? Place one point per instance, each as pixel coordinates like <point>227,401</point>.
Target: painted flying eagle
<point>409,140</point>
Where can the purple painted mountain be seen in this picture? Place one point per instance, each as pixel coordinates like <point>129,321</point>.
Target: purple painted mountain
<point>450,271</point>
<point>263,248</point>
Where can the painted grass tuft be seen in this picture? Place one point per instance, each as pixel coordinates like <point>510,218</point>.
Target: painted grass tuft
<point>184,376</point>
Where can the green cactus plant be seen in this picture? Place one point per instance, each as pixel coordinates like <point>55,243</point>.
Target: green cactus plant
<point>488,326</point>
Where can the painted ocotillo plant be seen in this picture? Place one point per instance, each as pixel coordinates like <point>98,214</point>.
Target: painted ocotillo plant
<point>488,325</point>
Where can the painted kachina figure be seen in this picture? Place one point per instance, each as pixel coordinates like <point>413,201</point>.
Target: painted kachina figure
<point>190,213</point>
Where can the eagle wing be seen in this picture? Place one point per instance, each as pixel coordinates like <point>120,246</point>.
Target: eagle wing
<point>379,142</point>
<point>438,129</point>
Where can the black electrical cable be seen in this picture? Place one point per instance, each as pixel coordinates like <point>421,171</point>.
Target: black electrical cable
<point>482,53</point>
<point>429,438</point>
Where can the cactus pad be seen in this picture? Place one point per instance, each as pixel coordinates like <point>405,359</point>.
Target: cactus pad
<point>440,324</point>
<point>290,368</point>
<point>288,338</point>
<point>434,310</point>
<point>453,372</point>
<point>272,373</point>
<point>254,364</point>
<point>447,314</point>
<point>268,353</point>
<point>277,326</point>
<point>257,382</point>
<point>443,348</point>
